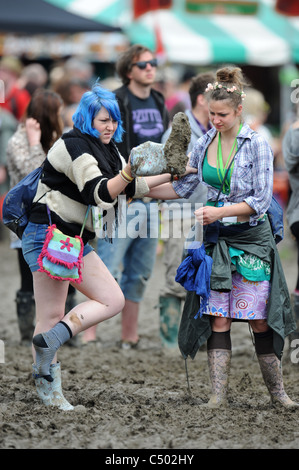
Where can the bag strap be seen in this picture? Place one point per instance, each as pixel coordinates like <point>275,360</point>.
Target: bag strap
<point>84,222</point>
<point>226,173</point>
<point>34,203</point>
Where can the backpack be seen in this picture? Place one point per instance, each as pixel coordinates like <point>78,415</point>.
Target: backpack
<point>275,215</point>
<point>18,202</point>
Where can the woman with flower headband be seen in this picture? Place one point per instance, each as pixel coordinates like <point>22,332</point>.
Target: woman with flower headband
<point>245,281</point>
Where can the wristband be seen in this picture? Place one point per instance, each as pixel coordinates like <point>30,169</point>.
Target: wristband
<point>129,178</point>
<point>126,178</point>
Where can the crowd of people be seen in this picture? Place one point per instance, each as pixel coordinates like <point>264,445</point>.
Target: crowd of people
<point>83,133</point>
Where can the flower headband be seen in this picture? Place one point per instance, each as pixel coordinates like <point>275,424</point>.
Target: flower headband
<point>217,86</point>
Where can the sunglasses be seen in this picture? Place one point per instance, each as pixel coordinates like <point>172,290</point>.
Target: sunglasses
<point>143,63</point>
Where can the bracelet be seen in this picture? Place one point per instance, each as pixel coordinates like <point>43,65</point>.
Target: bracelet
<point>126,178</point>
<point>123,178</point>
<point>173,177</point>
<point>130,178</point>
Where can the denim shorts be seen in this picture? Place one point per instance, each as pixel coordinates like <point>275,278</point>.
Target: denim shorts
<point>33,240</point>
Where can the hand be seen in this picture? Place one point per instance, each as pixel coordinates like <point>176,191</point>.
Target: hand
<point>189,169</point>
<point>127,168</point>
<point>207,214</point>
<point>33,131</point>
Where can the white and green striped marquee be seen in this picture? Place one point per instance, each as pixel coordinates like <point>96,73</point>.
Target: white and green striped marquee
<point>263,39</point>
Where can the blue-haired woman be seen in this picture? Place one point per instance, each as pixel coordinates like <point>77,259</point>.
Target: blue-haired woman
<point>82,168</point>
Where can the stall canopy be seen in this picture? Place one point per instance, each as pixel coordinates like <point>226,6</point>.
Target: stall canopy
<point>188,35</point>
<point>39,16</point>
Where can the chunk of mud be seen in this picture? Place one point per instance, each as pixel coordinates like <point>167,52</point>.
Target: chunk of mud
<point>176,146</point>
<point>151,158</point>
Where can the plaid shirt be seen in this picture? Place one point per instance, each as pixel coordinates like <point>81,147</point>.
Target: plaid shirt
<point>252,176</point>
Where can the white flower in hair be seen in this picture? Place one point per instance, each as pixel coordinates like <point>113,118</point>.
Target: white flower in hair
<point>218,86</point>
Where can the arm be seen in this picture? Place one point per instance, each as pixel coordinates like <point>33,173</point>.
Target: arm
<point>117,184</point>
<point>209,214</point>
<point>160,186</point>
<point>163,191</point>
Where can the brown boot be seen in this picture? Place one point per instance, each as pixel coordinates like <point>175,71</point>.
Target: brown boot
<point>219,367</point>
<point>272,374</point>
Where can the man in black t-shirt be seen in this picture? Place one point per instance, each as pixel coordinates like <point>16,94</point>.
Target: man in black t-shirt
<point>147,120</point>
<point>143,110</point>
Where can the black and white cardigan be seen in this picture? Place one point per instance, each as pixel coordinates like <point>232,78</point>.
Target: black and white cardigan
<point>75,175</point>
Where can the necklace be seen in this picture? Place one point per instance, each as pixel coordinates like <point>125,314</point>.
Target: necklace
<point>220,170</point>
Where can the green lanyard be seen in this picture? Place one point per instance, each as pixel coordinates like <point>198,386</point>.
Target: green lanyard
<point>220,170</point>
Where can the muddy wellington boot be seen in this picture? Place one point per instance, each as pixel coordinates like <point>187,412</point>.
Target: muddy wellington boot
<point>151,158</point>
<point>51,392</point>
<point>170,315</point>
<point>219,367</point>
<point>26,315</point>
<point>271,370</point>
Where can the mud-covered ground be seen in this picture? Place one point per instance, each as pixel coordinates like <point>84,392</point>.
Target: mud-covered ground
<point>139,399</point>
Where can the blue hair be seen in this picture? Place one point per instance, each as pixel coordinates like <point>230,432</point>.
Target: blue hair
<point>90,105</point>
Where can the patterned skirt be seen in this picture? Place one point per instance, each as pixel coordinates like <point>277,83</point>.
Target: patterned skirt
<point>246,301</point>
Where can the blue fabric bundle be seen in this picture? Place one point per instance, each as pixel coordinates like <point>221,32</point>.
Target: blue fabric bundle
<point>194,274</point>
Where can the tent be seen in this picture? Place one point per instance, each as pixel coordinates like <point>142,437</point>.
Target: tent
<point>266,38</point>
<point>39,16</point>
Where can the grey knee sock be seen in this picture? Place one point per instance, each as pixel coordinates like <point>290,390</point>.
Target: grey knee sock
<point>46,345</point>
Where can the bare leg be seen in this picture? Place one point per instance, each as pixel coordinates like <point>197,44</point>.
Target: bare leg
<point>90,334</point>
<point>129,321</point>
<point>103,292</point>
<point>50,297</point>
<point>221,324</point>
<point>259,326</point>
<point>105,299</point>
<point>129,324</point>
